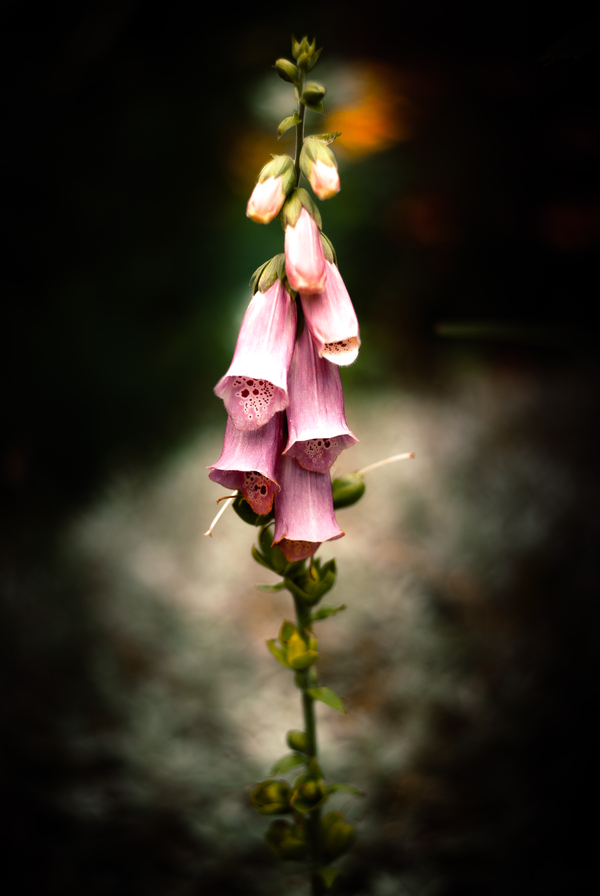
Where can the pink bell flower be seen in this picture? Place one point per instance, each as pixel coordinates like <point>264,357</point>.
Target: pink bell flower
<point>317,426</point>
<point>255,386</point>
<point>324,179</point>
<point>248,461</point>
<point>332,321</point>
<point>303,510</point>
<point>304,257</point>
<point>266,200</point>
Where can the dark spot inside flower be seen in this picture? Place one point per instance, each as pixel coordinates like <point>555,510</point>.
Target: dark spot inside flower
<point>327,443</point>
<point>255,391</point>
<point>245,393</point>
<point>249,382</point>
<point>263,490</point>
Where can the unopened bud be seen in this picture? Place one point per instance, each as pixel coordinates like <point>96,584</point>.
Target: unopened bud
<point>347,490</point>
<point>275,181</point>
<point>285,840</point>
<point>319,166</point>
<point>336,834</point>
<point>313,93</point>
<point>297,740</point>
<point>287,70</point>
<point>271,798</point>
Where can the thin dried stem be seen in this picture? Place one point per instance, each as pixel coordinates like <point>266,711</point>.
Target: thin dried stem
<point>387,460</point>
<point>228,500</point>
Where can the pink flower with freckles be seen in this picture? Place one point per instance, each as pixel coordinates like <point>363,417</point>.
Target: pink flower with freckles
<point>255,386</point>
<point>266,200</point>
<point>304,257</point>
<point>303,510</point>
<point>248,461</point>
<point>317,426</point>
<point>332,321</point>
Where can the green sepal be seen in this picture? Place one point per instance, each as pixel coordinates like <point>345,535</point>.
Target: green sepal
<point>245,512</point>
<point>314,107</point>
<point>327,696</point>
<point>266,275</point>
<point>328,875</point>
<point>287,762</point>
<point>328,250</point>
<point>347,490</point>
<point>314,58</point>
<point>304,660</point>
<point>336,835</point>
<point>261,559</point>
<point>295,47</point>
<point>308,793</point>
<point>287,841</point>
<point>270,589</point>
<point>327,139</point>
<point>290,122</point>
<point>325,611</point>
<point>271,797</point>
<point>278,653</point>
<point>312,95</point>
<point>347,788</point>
<point>295,202</point>
<point>271,556</point>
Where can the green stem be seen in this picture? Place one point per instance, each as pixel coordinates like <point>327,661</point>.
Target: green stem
<point>299,131</point>
<point>313,819</point>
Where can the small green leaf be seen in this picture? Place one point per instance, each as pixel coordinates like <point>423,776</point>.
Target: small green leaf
<point>287,123</point>
<point>328,875</point>
<point>348,788</point>
<point>325,611</point>
<point>326,138</point>
<point>277,653</point>
<point>286,762</point>
<point>271,588</point>
<point>326,695</point>
<point>314,107</point>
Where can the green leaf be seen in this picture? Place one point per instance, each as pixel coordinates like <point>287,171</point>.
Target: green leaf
<point>290,122</point>
<point>277,653</point>
<point>326,695</point>
<point>328,875</point>
<point>325,611</point>
<point>286,762</point>
<point>348,788</point>
<point>261,559</point>
<point>314,107</point>
<point>271,588</point>
<point>326,138</point>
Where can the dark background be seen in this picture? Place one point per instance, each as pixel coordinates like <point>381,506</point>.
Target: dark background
<point>473,243</point>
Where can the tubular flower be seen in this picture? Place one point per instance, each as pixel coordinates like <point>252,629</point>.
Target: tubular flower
<point>317,426</point>
<point>319,166</point>
<point>274,183</point>
<point>332,321</point>
<point>266,200</point>
<point>255,386</point>
<point>303,510</point>
<point>304,257</point>
<point>248,462</point>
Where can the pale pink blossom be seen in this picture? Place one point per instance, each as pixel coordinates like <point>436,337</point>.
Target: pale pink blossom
<point>248,462</point>
<point>255,386</point>
<point>317,426</point>
<point>304,257</point>
<point>303,510</point>
<point>266,200</point>
<point>324,179</point>
<point>332,321</point>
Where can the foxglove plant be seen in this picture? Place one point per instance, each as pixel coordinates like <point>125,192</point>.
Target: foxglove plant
<point>286,426</point>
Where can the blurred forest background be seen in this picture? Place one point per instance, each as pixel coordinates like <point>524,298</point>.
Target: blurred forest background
<point>138,696</point>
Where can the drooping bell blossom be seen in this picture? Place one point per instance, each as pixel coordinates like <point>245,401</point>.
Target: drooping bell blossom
<point>319,166</point>
<point>248,462</point>
<point>332,321</point>
<point>317,426</point>
<point>304,256</point>
<point>255,386</point>
<point>274,183</point>
<point>303,510</point>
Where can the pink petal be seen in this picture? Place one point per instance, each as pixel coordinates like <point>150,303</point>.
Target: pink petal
<point>304,258</point>
<point>324,179</point>
<point>255,386</point>
<point>332,321</point>
<point>248,462</point>
<point>266,200</point>
<point>317,426</point>
<point>304,506</point>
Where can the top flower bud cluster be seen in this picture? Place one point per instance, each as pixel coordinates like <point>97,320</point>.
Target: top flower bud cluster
<point>286,421</point>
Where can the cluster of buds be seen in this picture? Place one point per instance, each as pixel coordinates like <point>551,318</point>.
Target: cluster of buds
<point>283,394</point>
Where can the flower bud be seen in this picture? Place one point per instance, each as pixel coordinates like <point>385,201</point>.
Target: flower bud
<point>285,840</point>
<point>271,798</point>
<point>275,181</point>
<point>319,166</point>
<point>287,70</point>
<point>297,740</point>
<point>336,835</point>
<point>308,794</point>
<point>347,490</point>
<point>313,93</point>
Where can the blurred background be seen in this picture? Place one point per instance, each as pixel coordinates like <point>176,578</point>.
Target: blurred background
<point>138,696</point>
